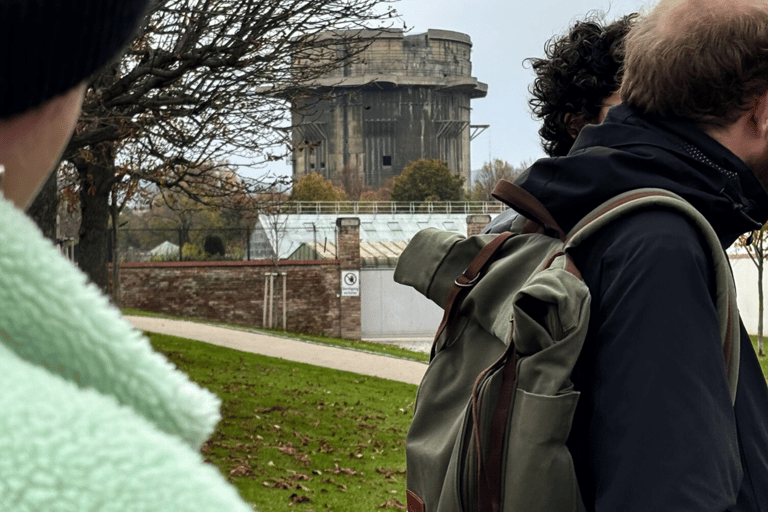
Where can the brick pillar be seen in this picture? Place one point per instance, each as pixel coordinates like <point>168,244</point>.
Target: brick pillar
<point>476,223</point>
<point>348,244</point>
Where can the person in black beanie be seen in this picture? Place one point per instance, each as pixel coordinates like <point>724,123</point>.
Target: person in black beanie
<point>92,418</point>
<point>50,50</point>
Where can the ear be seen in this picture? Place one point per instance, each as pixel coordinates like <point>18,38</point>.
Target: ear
<point>574,122</point>
<point>759,116</point>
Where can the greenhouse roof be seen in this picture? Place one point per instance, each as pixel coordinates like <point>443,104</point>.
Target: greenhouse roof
<point>320,229</point>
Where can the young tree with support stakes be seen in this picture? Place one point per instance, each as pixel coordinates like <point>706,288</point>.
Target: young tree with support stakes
<point>205,80</point>
<point>756,244</point>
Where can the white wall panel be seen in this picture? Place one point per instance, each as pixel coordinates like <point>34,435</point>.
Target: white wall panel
<point>392,310</point>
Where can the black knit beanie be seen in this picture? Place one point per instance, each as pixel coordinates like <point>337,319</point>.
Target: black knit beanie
<point>49,46</point>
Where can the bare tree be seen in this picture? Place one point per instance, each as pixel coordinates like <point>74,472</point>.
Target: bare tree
<point>756,244</point>
<point>205,80</point>
<point>274,217</point>
<point>490,174</point>
<point>120,195</point>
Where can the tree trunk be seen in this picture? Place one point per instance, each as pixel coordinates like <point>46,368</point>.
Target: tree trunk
<point>96,178</point>
<point>114,211</point>
<point>44,208</point>
<point>760,304</point>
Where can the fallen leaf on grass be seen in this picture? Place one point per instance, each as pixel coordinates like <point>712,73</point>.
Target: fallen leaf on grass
<point>295,498</point>
<point>331,481</point>
<point>389,472</point>
<point>337,470</point>
<point>274,408</point>
<point>241,470</point>
<point>304,439</point>
<point>281,484</point>
<point>392,504</point>
<point>290,482</point>
<point>325,447</point>
<point>289,449</point>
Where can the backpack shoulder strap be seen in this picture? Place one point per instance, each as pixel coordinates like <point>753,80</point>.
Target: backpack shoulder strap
<point>526,204</point>
<point>727,309</point>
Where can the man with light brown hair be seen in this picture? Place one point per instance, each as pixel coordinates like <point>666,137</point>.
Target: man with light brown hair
<point>656,428</point>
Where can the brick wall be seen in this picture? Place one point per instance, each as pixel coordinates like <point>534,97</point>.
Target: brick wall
<point>234,292</point>
<point>476,223</point>
<point>237,291</point>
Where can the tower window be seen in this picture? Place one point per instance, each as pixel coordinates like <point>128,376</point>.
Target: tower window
<point>386,160</point>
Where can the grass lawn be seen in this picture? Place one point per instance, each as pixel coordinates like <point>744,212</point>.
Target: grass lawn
<point>763,360</point>
<point>299,437</point>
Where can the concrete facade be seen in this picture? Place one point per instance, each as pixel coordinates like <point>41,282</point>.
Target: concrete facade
<point>405,97</point>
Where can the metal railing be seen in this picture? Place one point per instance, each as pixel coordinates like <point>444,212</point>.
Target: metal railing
<point>355,207</point>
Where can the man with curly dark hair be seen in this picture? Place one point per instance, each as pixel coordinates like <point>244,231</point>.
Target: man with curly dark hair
<point>576,83</point>
<point>578,79</point>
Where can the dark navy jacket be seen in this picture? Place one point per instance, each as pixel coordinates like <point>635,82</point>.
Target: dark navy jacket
<point>655,429</point>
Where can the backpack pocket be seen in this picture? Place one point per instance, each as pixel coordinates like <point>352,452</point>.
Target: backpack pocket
<point>528,468</point>
<point>538,468</point>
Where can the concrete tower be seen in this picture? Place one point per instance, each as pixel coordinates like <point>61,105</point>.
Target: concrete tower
<point>404,98</point>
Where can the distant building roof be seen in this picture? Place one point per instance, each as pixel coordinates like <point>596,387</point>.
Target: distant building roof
<point>372,255</point>
<point>165,249</point>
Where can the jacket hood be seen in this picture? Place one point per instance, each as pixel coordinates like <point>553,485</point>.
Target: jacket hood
<point>631,150</point>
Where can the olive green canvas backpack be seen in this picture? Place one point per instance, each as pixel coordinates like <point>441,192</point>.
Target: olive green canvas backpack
<point>495,406</point>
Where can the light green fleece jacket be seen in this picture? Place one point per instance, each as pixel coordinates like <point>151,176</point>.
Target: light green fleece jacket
<point>91,419</point>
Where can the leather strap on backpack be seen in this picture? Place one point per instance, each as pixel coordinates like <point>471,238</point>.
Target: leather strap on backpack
<point>464,284</point>
<point>526,204</point>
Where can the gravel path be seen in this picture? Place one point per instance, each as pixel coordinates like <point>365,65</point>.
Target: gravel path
<point>355,361</point>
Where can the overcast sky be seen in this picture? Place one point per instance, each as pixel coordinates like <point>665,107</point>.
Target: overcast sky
<point>504,33</point>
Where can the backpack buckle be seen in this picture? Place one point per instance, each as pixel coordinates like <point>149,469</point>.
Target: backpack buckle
<point>468,284</point>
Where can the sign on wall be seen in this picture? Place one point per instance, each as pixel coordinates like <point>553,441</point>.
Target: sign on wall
<point>350,283</point>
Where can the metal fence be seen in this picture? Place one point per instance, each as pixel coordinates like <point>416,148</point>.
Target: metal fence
<point>178,244</point>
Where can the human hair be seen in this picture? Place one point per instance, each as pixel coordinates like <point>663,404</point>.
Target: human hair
<point>700,62</point>
<point>580,69</point>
